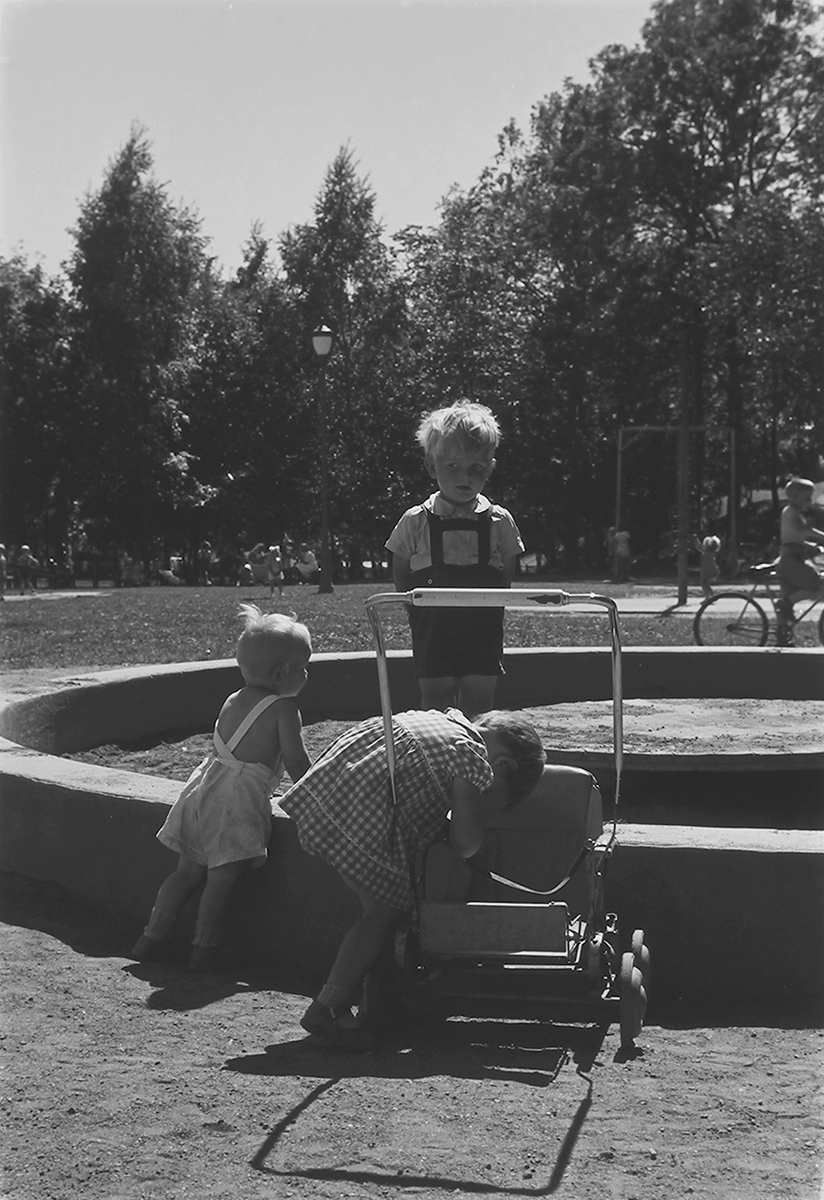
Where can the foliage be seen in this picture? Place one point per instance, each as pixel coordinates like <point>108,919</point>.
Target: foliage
<point>134,274</point>
<point>647,253</point>
<point>339,271</point>
<point>38,405</point>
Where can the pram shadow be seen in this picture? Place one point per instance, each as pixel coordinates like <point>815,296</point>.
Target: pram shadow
<point>530,1053</point>
<point>460,1052</point>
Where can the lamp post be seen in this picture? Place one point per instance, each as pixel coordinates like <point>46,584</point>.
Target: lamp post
<point>322,341</point>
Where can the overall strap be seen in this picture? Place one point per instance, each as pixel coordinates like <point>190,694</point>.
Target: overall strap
<point>249,720</point>
<point>481,525</point>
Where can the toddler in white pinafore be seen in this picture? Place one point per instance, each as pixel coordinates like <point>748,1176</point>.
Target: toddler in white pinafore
<point>220,824</point>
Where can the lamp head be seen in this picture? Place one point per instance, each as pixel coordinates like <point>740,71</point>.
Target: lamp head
<point>322,340</point>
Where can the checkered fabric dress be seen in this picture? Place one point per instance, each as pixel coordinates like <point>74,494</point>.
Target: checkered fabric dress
<point>343,805</point>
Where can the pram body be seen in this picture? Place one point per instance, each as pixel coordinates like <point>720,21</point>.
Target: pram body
<point>525,934</point>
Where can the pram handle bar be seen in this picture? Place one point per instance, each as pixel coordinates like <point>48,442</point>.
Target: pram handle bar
<point>527,599</point>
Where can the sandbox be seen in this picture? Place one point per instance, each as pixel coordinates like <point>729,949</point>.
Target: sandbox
<point>716,903</point>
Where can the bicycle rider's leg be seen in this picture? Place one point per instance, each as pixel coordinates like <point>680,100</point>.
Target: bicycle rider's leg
<point>798,580</point>
<point>785,609</point>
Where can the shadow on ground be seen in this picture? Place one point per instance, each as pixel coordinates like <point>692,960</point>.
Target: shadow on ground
<point>91,930</point>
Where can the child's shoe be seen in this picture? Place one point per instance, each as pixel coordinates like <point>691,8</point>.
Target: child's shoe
<point>146,948</point>
<point>337,1027</point>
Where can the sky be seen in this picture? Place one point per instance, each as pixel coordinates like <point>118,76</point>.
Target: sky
<point>246,103</point>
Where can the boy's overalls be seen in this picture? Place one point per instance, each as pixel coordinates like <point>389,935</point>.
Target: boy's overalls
<point>457,641</point>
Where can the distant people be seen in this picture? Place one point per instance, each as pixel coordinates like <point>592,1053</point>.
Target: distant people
<point>221,823</point>
<point>288,556</point>
<point>708,548</point>
<point>306,564</point>
<point>801,540</point>
<point>168,578</point>
<point>457,538</point>
<point>274,570</point>
<point>204,564</point>
<point>623,556</point>
<point>610,548</point>
<point>3,565</point>
<point>27,565</point>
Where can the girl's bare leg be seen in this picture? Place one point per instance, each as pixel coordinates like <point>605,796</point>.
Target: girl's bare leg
<point>187,876</point>
<point>214,902</point>
<point>362,945</point>
<point>330,1014</point>
<point>171,900</point>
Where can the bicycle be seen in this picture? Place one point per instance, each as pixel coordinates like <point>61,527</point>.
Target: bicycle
<point>737,618</point>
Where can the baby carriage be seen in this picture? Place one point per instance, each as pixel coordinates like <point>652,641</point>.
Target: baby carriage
<point>528,936</point>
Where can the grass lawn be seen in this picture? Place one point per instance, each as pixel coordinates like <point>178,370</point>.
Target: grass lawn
<point>131,626</point>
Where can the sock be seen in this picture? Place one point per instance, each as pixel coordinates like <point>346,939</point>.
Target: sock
<point>161,923</point>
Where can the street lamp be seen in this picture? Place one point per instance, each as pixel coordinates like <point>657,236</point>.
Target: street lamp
<point>322,340</point>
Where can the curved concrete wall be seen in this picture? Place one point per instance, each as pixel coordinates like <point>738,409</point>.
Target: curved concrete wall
<point>740,911</point>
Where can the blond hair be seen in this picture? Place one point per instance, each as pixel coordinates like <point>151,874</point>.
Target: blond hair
<point>268,639</point>
<point>471,425</point>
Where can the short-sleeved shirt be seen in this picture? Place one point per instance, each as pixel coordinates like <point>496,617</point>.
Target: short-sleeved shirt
<point>343,805</point>
<point>410,537</point>
<point>796,526</point>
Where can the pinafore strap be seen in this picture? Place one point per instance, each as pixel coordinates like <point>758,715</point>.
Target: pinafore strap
<point>245,725</point>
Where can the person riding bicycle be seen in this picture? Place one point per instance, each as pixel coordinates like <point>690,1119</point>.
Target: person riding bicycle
<point>800,541</point>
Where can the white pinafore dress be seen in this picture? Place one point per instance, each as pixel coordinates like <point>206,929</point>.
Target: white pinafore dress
<point>224,813</point>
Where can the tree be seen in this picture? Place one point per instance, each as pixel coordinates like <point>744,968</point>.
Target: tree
<point>249,427</point>
<point>135,272</point>
<point>338,270</point>
<point>36,475</point>
<point>723,117</point>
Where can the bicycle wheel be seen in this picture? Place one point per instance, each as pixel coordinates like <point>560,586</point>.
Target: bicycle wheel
<point>821,627</point>
<point>730,619</point>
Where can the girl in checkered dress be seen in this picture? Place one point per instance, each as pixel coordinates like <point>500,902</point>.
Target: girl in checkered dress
<point>345,814</point>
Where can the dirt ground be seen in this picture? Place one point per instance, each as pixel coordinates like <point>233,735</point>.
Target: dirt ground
<point>126,1081</point>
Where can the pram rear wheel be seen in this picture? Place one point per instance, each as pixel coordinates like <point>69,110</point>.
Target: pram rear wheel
<point>640,952</point>
<point>633,1000</point>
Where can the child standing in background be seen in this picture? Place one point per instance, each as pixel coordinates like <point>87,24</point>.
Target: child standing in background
<point>274,570</point>
<point>800,541</point>
<point>708,549</point>
<point>221,822</point>
<point>27,565</point>
<point>457,538</point>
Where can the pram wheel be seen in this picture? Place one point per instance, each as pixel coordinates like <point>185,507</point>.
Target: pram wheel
<point>633,1000</point>
<point>640,952</point>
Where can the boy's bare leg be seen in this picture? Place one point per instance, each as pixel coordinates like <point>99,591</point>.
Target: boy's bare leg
<point>439,692</point>
<point>476,694</point>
